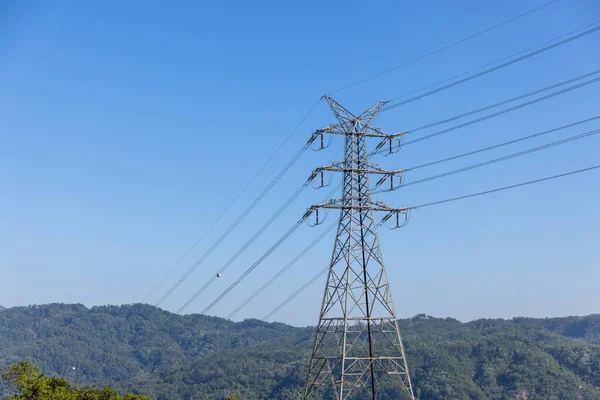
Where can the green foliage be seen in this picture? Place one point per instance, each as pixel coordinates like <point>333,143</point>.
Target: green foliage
<point>30,384</point>
<point>143,349</point>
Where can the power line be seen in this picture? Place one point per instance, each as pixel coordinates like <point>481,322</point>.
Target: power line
<point>435,91</point>
<point>496,61</point>
<point>305,117</point>
<point>246,245</point>
<point>552,144</point>
<point>501,112</point>
<point>501,103</point>
<point>490,70</point>
<point>538,148</point>
<point>434,203</point>
<point>282,271</point>
<point>247,272</point>
<point>253,266</point>
<point>323,271</point>
<point>576,137</point>
<point>507,157</point>
<point>234,225</point>
<point>256,235</point>
<point>296,293</point>
<point>302,150</point>
<point>233,201</point>
<point>443,48</point>
<point>504,143</point>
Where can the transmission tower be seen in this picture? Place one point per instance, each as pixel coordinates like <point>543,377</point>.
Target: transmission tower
<point>357,347</point>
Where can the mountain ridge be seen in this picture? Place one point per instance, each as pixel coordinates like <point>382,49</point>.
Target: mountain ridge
<point>144,349</point>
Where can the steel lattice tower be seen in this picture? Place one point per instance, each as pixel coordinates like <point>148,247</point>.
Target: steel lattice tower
<point>358,345</point>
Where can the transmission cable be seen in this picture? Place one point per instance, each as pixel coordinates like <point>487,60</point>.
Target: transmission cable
<point>320,273</point>
<point>446,47</point>
<point>501,103</point>
<point>302,150</point>
<point>501,112</point>
<point>413,141</point>
<point>296,293</point>
<point>252,267</point>
<point>521,153</point>
<point>552,144</point>
<point>563,141</point>
<point>247,272</point>
<point>489,70</point>
<point>434,203</point>
<point>234,225</point>
<point>160,282</point>
<point>504,143</point>
<point>504,158</point>
<point>247,244</point>
<point>283,270</point>
<point>496,61</point>
<point>256,235</point>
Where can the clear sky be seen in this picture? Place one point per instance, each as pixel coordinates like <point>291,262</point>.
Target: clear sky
<point>127,127</point>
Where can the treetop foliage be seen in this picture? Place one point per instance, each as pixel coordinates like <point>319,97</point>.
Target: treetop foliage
<point>30,384</point>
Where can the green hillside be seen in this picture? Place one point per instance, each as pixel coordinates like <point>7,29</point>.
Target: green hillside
<point>143,349</point>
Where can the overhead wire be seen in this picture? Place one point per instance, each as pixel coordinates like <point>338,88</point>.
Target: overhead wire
<point>291,263</point>
<point>504,158</point>
<point>295,294</point>
<point>278,243</point>
<point>260,260</point>
<point>563,141</point>
<point>548,131</point>
<point>495,61</point>
<point>253,266</point>
<point>446,47</point>
<point>501,112</point>
<point>249,242</point>
<point>552,46</point>
<point>174,287</point>
<point>222,214</point>
<point>501,103</point>
<point>282,271</point>
<point>424,205</point>
<point>485,192</point>
<point>304,148</point>
<point>502,144</point>
<point>490,70</point>
<point>232,226</point>
<point>246,245</point>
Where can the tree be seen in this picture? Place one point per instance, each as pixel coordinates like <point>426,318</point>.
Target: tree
<point>33,385</point>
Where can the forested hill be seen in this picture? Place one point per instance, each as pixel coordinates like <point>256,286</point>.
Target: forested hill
<point>141,348</point>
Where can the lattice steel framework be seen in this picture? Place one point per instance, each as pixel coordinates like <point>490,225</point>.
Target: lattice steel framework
<point>358,347</point>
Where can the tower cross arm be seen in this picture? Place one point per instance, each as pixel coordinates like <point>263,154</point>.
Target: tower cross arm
<point>370,169</point>
<point>341,204</point>
<point>338,129</point>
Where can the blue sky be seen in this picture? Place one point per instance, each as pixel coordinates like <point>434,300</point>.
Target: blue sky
<point>126,128</point>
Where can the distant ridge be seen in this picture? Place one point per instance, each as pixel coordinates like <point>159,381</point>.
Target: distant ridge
<point>2,308</point>
<point>141,348</point>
